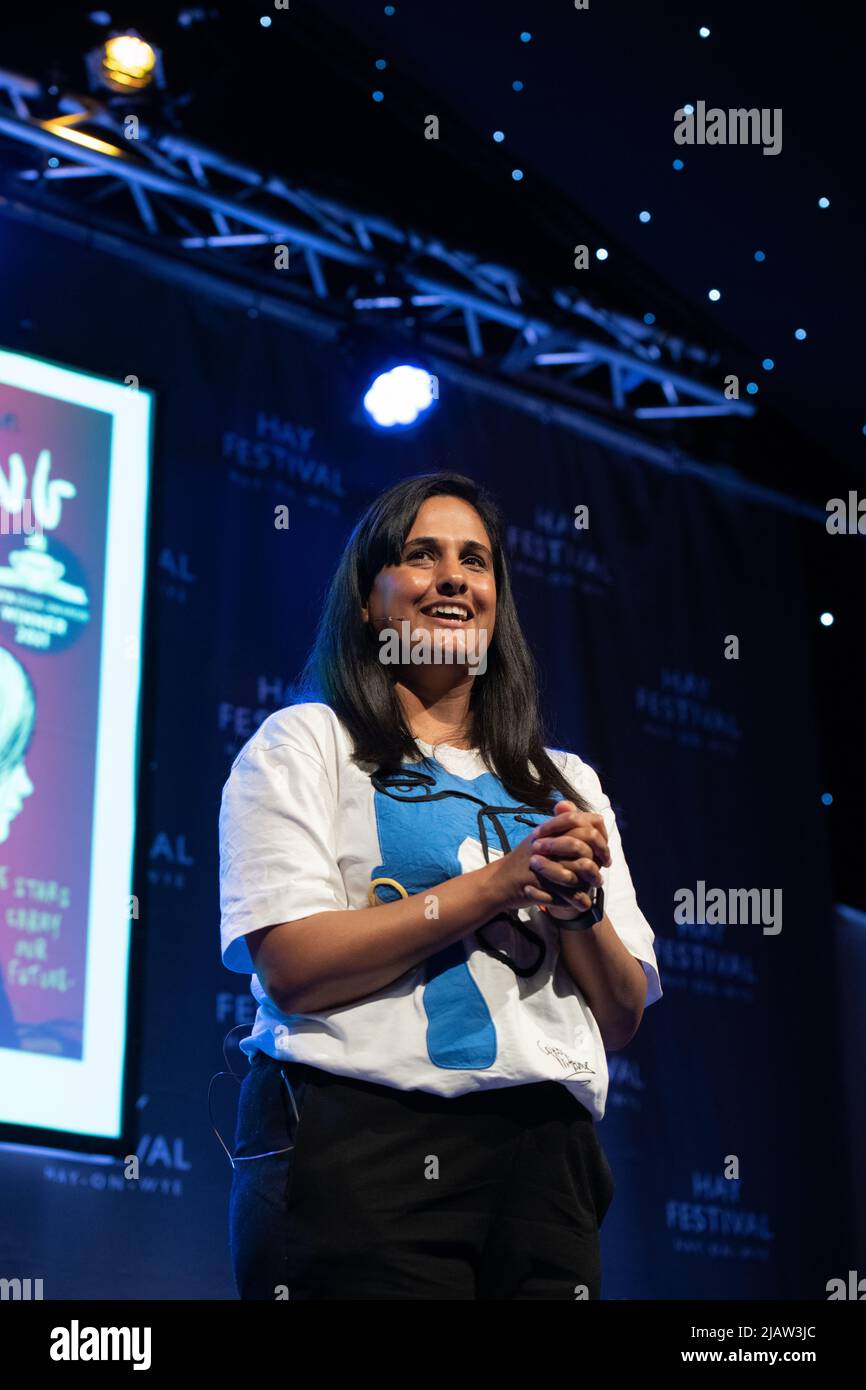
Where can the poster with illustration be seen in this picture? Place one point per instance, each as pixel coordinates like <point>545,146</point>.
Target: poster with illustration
<point>74,456</point>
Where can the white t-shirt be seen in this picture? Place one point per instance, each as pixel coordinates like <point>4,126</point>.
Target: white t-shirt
<point>303,829</point>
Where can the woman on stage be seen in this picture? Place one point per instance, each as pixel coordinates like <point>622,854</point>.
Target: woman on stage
<point>443,938</point>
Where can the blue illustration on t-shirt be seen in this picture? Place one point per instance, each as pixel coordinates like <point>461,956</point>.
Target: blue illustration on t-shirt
<point>423,817</point>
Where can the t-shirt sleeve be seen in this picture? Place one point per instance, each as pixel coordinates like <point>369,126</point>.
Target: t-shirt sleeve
<point>277,841</point>
<point>620,901</point>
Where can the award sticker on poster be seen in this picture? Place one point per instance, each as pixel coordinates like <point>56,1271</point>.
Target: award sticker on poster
<point>74,486</point>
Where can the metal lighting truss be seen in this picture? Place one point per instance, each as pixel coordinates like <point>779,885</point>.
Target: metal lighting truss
<point>186,198</point>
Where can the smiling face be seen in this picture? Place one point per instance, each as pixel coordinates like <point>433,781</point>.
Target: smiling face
<point>444,580</point>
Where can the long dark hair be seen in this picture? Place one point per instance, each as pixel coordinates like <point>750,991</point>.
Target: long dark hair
<point>344,669</point>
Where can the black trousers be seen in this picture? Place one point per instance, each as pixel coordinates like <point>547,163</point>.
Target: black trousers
<point>389,1194</point>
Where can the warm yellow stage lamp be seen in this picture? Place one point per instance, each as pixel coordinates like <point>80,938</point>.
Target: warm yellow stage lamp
<point>128,62</point>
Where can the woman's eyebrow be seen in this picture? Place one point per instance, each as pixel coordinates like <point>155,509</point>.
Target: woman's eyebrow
<point>432,540</point>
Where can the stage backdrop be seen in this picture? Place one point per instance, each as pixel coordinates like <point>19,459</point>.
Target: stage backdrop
<point>710,764</point>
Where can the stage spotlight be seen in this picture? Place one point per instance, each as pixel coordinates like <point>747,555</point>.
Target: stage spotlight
<point>129,62</point>
<point>399,396</point>
<point>125,63</point>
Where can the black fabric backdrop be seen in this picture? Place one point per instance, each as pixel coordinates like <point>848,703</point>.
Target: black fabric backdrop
<point>710,764</point>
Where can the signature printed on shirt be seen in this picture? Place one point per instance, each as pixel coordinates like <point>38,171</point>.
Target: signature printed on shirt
<point>568,1063</point>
